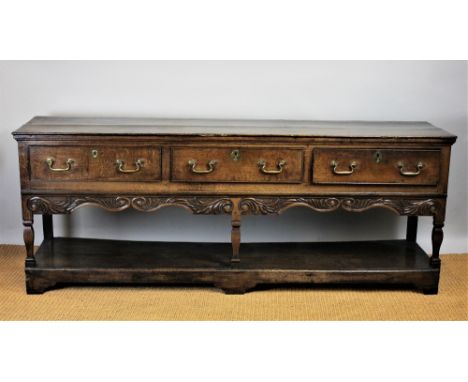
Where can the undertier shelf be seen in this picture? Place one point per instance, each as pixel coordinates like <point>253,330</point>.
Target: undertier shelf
<point>116,254</point>
<point>75,261</point>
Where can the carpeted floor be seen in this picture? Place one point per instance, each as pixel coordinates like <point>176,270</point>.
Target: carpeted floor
<point>171,303</point>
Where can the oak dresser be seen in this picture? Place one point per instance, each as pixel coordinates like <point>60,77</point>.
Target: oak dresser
<point>239,168</point>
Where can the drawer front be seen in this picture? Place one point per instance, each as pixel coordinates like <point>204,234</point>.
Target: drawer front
<point>237,164</point>
<point>125,164</point>
<point>58,163</point>
<point>376,166</point>
<point>73,163</point>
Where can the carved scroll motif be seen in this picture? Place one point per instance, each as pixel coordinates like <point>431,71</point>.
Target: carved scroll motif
<point>67,204</point>
<point>220,205</point>
<point>275,205</point>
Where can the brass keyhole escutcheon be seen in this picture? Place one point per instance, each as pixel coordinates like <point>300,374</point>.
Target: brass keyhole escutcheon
<point>378,157</point>
<point>235,155</point>
<point>94,153</point>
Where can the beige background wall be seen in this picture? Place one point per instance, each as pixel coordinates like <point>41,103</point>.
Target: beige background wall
<point>377,90</point>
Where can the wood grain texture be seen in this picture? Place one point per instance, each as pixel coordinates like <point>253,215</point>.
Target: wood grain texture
<point>78,261</point>
<point>39,169</point>
<point>104,165</point>
<point>384,170</point>
<point>222,127</point>
<point>245,169</point>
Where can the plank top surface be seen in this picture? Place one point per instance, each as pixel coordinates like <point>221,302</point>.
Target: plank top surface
<point>229,127</point>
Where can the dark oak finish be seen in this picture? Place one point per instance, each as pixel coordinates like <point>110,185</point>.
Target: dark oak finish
<point>40,170</point>
<point>235,167</point>
<point>237,164</point>
<point>376,166</point>
<point>47,227</point>
<point>103,163</point>
<point>96,162</point>
<point>109,261</point>
<point>412,228</point>
<point>229,127</point>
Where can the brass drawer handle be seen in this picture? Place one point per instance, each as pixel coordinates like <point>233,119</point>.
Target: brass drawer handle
<point>419,167</point>
<point>334,165</point>
<point>193,166</point>
<point>262,164</point>
<point>50,162</point>
<point>139,163</point>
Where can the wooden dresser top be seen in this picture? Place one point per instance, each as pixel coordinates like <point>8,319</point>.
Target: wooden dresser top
<point>233,127</point>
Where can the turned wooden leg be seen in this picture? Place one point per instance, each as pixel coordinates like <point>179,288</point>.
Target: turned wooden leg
<point>235,230</point>
<point>28,236</point>
<point>28,232</point>
<point>412,229</point>
<point>47,227</point>
<point>437,237</point>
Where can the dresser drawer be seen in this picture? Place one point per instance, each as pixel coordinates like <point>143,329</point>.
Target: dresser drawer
<point>58,163</point>
<point>376,166</point>
<point>106,163</point>
<point>125,164</point>
<point>237,164</point>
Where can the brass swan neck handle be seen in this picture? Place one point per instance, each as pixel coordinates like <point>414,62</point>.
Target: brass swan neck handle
<point>193,166</point>
<point>139,163</point>
<point>51,160</point>
<point>419,167</point>
<point>280,166</point>
<point>334,165</point>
